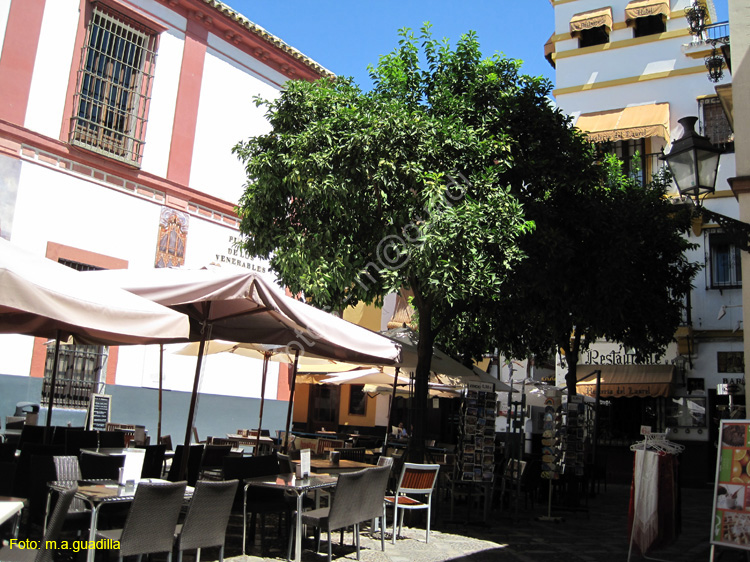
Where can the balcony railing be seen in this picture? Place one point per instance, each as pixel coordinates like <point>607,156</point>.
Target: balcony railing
<point>718,31</point>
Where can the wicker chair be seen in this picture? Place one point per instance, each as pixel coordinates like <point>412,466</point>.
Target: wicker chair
<point>213,460</point>
<point>357,498</point>
<point>151,521</point>
<point>415,479</point>
<point>43,554</point>
<point>68,469</point>
<point>101,467</point>
<point>207,518</point>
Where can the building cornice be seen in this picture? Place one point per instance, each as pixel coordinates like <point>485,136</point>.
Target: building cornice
<point>29,146</point>
<point>630,80</point>
<point>224,22</point>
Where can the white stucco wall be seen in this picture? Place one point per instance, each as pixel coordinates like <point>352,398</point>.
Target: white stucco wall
<point>226,115</point>
<point>163,103</point>
<point>49,85</point>
<point>4,11</point>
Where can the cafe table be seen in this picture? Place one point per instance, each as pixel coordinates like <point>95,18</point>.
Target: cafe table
<point>327,466</point>
<point>98,493</point>
<point>10,509</point>
<point>290,483</point>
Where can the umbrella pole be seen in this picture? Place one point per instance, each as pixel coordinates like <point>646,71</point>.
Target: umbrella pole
<point>390,409</point>
<point>161,377</point>
<point>266,357</point>
<point>193,399</point>
<point>52,387</point>
<point>290,408</point>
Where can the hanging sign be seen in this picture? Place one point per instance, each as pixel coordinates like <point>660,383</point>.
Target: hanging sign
<point>731,507</point>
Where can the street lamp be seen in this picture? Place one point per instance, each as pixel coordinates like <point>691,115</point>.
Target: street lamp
<point>693,162</point>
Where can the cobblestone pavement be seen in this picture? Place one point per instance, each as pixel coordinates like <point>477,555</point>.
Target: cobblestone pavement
<point>596,532</point>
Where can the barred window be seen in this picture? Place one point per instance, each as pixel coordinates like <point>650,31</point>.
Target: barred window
<point>715,124</point>
<point>80,368</point>
<point>725,261</point>
<point>113,86</point>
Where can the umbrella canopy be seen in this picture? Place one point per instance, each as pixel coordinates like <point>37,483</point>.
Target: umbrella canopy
<point>43,298</point>
<point>448,371</point>
<point>244,307</point>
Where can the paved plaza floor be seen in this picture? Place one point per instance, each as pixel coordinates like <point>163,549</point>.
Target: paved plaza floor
<point>597,532</point>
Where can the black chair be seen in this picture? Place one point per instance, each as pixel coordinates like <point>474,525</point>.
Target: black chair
<point>112,439</point>
<point>195,455</point>
<point>285,463</point>
<point>35,434</point>
<point>151,521</point>
<point>213,460</point>
<point>352,453</point>
<point>258,501</point>
<point>23,465</point>
<point>77,439</point>
<point>7,452</point>
<point>153,461</point>
<point>207,517</point>
<point>7,477</point>
<point>41,470</point>
<point>95,466</point>
<point>43,554</point>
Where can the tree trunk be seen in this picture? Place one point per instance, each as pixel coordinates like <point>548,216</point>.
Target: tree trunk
<point>571,350</point>
<point>421,390</point>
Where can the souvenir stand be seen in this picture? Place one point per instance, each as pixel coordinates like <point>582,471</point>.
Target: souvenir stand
<point>475,461</point>
<point>515,444</point>
<point>654,510</point>
<point>551,446</point>
<point>730,517</point>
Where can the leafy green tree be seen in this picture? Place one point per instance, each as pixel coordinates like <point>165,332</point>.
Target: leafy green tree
<point>607,262</point>
<point>353,195</point>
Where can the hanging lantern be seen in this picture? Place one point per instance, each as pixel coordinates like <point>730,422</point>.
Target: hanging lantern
<point>715,66</point>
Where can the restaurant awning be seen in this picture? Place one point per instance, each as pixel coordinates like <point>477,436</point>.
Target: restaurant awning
<point>591,19</point>
<point>627,381</point>
<point>635,122</point>
<point>645,8</point>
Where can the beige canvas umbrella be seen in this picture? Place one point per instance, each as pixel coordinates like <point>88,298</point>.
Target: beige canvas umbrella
<point>43,298</point>
<point>243,307</point>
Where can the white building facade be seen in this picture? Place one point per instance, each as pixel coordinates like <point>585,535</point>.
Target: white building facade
<point>117,122</point>
<point>627,71</point>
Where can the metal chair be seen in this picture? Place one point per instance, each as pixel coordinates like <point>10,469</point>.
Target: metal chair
<point>153,461</point>
<point>207,517</point>
<point>95,466</point>
<point>195,454</point>
<point>416,479</point>
<point>357,498</point>
<point>258,501</point>
<point>213,460</point>
<point>43,554</point>
<point>352,453</point>
<point>151,521</point>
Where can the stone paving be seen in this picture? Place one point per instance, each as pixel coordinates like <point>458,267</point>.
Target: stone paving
<point>597,532</point>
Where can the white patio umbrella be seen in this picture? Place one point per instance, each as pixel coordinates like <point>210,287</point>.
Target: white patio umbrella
<point>43,298</point>
<point>244,307</point>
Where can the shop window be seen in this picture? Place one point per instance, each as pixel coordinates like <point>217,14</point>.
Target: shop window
<point>649,25</point>
<point>686,412</point>
<point>725,262</point>
<point>715,125</point>
<point>357,400</point>
<point>113,86</point>
<point>593,36</point>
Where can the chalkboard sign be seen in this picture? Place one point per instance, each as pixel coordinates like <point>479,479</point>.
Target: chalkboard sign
<point>98,414</point>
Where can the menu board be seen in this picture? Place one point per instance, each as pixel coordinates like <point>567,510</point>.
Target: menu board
<point>552,426</point>
<point>98,414</point>
<point>476,460</point>
<point>731,507</point>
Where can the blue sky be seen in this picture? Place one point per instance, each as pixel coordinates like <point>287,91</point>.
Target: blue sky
<point>347,35</point>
